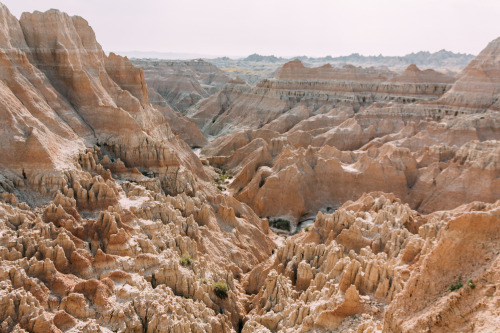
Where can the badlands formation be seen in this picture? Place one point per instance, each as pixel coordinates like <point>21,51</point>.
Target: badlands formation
<point>109,222</point>
<point>180,84</point>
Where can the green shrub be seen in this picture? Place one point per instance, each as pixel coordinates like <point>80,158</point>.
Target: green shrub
<point>456,285</point>
<point>306,229</point>
<point>186,260</point>
<point>471,284</point>
<point>222,177</point>
<point>280,224</point>
<point>220,289</point>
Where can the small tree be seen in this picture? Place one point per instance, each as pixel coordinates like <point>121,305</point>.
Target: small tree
<point>457,285</point>
<point>220,289</point>
<point>280,224</point>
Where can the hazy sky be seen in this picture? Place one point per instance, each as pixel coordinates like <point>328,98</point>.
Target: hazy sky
<point>284,27</point>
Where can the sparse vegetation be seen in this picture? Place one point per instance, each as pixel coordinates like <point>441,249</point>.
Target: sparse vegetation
<point>471,284</point>
<point>456,285</point>
<point>186,260</point>
<point>222,179</point>
<point>306,229</point>
<point>220,289</point>
<point>280,223</point>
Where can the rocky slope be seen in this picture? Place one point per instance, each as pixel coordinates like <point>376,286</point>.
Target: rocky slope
<point>427,164</point>
<point>377,266</point>
<point>239,106</point>
<point>478,85</point>
<point>315,137</point>
<point>181,84</point>
<point>107,222</point>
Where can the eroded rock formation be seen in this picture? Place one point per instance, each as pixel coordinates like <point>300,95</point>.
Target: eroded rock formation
<point>376,254</point>
<point>181,84</point>
<point>109,221</point>
<point>315,137</point>
<point>239,106</point>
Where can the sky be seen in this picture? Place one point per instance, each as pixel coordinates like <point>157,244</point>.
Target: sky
<point>283,27</point>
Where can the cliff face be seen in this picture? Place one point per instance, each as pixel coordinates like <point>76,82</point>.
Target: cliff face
<point>181,84</point>
<point>321,136</point>
<point>62,94</point>
<point>238,106</point>
<point>478,85</point>
<point>107,221</point>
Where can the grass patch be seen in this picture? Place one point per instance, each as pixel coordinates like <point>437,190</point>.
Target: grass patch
<point>220,289</point>
<point>186,260</point>
<point>223,177</point>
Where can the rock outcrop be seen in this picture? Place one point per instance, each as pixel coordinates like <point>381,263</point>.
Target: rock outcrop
<point>376,254</point>
<point>181,84</point>
<point>239,106</point>
<point>62,94</point>
<point>107,221</point>
<point>478,85</point>
<point>313,138</point>
<point>312,166</point>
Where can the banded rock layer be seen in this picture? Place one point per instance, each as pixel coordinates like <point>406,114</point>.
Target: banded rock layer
<point>239,106</point>
<point>315,137</point>
<point>107,222</point>
<point>180,84</point>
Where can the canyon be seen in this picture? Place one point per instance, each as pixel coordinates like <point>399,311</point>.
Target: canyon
<point>148,195</point>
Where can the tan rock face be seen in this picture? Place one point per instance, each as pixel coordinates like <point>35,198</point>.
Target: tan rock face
<point>465,256</point>
<point>106,220</point>
<point>393,259</point>
<point>181,84</point>
<point>478,85</point>
<point>294,174</point>
<point>183,127</point>
<point>238,106</point>
<point>297,148</point>
<point>62,93</point>
<point>124,266</point>
<point>413,74</point>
